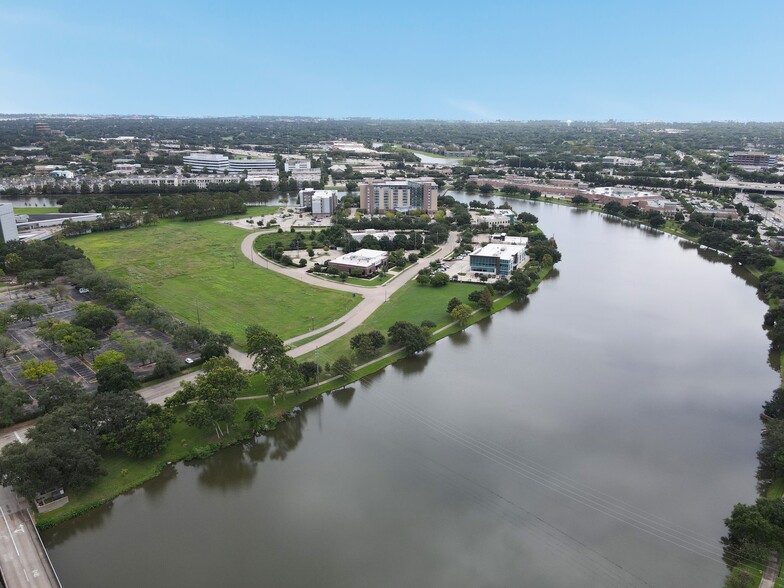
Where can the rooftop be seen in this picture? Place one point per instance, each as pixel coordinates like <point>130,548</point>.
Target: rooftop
<point>362,258</point>
<point>500,250</point>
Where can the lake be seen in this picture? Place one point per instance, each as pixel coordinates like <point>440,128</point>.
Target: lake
<point>594,435</point>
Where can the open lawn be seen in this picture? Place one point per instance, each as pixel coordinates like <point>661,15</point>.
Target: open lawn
<point>36,209</point>
<point>412,303</point>
<point>196,271</point>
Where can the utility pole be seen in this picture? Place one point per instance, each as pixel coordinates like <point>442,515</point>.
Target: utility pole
<point>318,369</point>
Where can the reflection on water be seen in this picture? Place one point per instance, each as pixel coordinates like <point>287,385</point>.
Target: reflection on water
<point>343,396</point>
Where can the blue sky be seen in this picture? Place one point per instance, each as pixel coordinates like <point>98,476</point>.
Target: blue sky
<point>686,60</point>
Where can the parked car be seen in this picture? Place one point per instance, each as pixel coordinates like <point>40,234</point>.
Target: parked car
<point>84,290</point>
<point>189,360</point>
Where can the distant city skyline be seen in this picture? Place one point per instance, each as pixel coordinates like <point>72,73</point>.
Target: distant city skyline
<point>561,60</point>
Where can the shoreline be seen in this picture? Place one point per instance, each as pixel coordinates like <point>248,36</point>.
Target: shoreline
<point>285,404</point>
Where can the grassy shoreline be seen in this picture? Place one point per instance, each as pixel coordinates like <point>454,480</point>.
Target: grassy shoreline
<point>125,474</point>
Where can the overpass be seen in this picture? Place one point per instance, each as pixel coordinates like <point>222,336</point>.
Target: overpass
<point>23,558</point>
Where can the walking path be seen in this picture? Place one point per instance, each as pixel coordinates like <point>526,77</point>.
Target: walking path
<point>771,572</point>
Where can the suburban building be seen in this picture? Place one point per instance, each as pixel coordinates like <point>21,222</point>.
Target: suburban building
<point>751,159</point>
<point>613,161</point>
<point>367,260</point>
<point>252,165</point>
<point>206,162</point>
<point>378,234</point>
<point>498,259</point>
<point>320,202</point>
<point>8,230</point>
<point>62,173</point>
<point>509,239</point>
<point>494,220</point>
<point>377,196</point>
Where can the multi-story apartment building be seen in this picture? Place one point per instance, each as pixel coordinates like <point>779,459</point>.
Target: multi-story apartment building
<point>377,196</point>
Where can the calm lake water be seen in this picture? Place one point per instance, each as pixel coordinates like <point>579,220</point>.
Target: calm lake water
<point>596,435</point>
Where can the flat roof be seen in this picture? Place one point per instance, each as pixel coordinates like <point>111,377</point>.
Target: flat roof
<point>500,250</point>
<point>362,258</point>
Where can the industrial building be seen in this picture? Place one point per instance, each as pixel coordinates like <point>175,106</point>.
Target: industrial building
<point>376,196</point>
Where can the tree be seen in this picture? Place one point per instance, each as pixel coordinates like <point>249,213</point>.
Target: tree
<point>485,301</point>
<point>28,311</point>
<point>309,370</point>
<point>461,314</point>
<point>283,375</point>
<point>166,362</point>
<point>107,358</point>
<point>5,319</point>
<point>58,292</point>
<point>264,346</point>
<point>254,416</point>
<point>450,306</point>
<point>98,319</point>
<point>12,399</point>
<point>216,345</point>
<point>116,377</point>
<point>343,366</point>
<point>439,280</point>
<point>37,370</point>
<point>367,344</point>
<point>57,392</point>
<point>7,345</point>
<point>519,284</point>
<point>149,436</point>
<point>215,391</point>
<point>76,340</point>
<point>407,335</point>
<point>579,200</point>
<point>423,279</point>
<point>13,263</point>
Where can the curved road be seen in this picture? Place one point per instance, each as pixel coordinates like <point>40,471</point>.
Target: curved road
<point>372,298</point>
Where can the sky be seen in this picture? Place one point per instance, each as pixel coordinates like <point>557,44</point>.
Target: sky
<point>684,60</point>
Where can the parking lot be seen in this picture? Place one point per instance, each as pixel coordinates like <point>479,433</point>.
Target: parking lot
<point>32,347</point>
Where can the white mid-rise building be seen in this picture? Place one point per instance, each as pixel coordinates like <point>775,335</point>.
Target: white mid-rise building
<point>252,165</point>
<point>206,162</point>
<point>8,222</point>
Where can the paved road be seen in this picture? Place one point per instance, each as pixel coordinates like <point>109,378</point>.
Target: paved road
<point>372,298</point>
<point>22,558</point>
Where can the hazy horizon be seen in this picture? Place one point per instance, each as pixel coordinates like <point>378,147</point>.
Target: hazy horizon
<point>510,61</point>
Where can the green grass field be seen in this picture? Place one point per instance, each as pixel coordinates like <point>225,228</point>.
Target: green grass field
<point>36,209</point>
<point>196,271</point>
<point>412,303</point>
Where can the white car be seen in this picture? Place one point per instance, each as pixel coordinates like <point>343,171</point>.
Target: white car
<point>84,290</point>
<point>188,360</point>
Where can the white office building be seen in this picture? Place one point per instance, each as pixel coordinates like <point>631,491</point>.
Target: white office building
<point>206,162</point>
<point>8,222</point>
<point>252,166</point>
<point>320,202</point>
